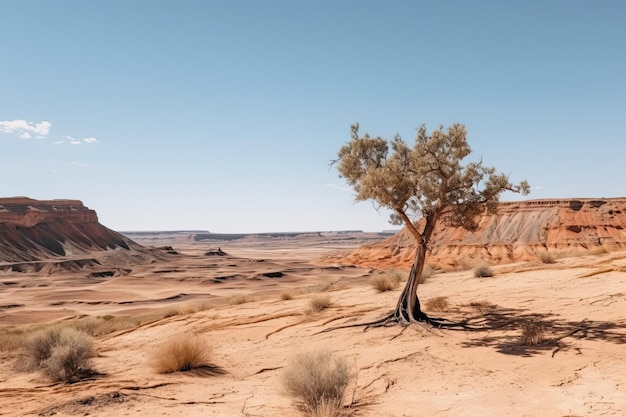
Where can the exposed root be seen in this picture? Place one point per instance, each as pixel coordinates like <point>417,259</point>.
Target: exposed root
<point>397,318</point>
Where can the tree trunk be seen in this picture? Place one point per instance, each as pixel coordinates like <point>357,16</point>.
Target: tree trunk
<point>408,308</point>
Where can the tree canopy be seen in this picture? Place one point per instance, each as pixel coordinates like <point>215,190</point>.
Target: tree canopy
<point>429,180</point>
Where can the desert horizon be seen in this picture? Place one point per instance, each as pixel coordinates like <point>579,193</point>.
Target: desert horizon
<point>312,209</point>
<point>256,302</point>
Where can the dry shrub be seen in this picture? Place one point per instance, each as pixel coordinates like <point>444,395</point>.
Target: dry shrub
<point>599,250</point>
<point>319,302</point>
<point>238,299</point>
<point>12,340</point>
<point>532,333</point>
<point>386,282</point>
<point>483,271</point>
<point>318,380</point>
<point>546,257</point>
<point>437,304</point>
<point>182,354</point>
<point>61,353</point>
<point>482,306</point>
<point>286,295</point>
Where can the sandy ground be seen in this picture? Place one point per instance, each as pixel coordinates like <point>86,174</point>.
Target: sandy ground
<point>579,370</point>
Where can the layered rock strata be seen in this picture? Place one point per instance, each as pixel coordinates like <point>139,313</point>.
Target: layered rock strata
<point>518,231</point>
<point>34,230</point>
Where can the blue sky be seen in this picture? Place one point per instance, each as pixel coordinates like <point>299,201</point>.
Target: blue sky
<point>224,115</point>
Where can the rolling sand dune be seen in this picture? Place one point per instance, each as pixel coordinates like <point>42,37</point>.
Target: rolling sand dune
<point>231,294</point>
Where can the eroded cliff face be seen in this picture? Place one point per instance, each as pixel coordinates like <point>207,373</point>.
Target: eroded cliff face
<point>33,230</point>
<point>519,231</point>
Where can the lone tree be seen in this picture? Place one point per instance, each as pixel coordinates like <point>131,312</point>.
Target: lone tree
<point>428,180</point>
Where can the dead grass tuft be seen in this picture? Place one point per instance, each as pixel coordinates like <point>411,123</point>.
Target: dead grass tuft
<point>600,250</point>
<point>62,353</point>
<point>318,380</point>
<point>319,302</point>
<point>532,333</point>
<point>482,306</point>
<point>183,354</point>
<point>483,271</point>
<point>386,282</point>
<point>546,257</point>
<point>438,304</point>
<point>286,295</point>
<point>239,299</point>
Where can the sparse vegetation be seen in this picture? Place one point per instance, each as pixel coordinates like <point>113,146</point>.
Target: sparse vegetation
<point>61,353</point>
<point>532,333</point>
<point>546,257</point>
<point>440,304</point>
<point>386,282</point>
<point>286,295</point>
<point>430,178</point>
<point>483,271</point>
<point>482,306</point>
<point>239,299</point>
<point>318,380</point>
<point>599,250</point>
<point>319,302</point>
<point>182,354</point>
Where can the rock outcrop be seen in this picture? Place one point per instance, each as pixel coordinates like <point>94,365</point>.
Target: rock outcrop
<point>36,230</point>
<point>518,231</point>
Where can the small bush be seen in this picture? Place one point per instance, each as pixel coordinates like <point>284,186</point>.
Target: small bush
<point>483,271</point>
<point>319,302</point>
<point>387,282</point>
<point>532,333</point>
<point>599,250</point>
<point>62,353</point>
<point>12,340</point>
<point>318,380</point>
<point>437,304</point>
<point>286,295</point>
<point>546,257</point>
<point>183,354</point>
<point>238,299</point>
<point>482,306</point>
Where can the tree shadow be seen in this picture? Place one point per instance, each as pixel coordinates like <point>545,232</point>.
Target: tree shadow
<point>504,327</point>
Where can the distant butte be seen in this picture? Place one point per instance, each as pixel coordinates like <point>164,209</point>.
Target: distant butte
<point>36,230</point>
<point>519,231</point>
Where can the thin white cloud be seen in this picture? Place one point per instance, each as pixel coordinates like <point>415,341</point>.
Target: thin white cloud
<point>75,141</point>
<point>24,129</point>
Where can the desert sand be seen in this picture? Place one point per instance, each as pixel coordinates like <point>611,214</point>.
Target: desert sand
<point>579,370</point>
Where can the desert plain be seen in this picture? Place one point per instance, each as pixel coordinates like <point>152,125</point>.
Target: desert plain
<point>250,300</point>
